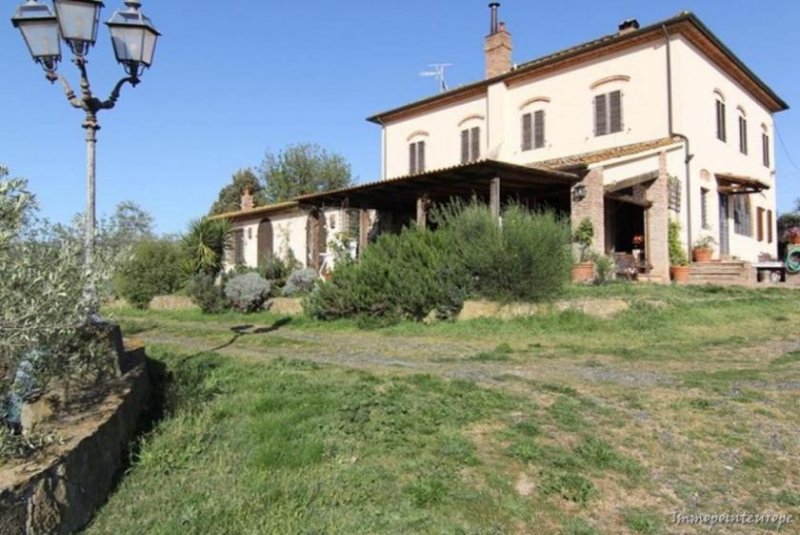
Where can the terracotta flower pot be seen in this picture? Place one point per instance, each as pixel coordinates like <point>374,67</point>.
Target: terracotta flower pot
<point>583,272</point>
<point>702,254</point>
<point>795,240</point>
<point>680,274</point>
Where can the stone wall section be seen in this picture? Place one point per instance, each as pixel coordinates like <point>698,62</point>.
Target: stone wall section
<point>592,206</point>
<point>62,493</point>
<point>658,221</point>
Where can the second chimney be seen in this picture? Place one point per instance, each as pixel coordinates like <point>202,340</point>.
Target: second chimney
<point>246,202</point>
<point>498,46</point>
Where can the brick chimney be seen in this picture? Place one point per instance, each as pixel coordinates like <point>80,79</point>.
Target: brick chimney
<point>247,199</point>
<point>498,46</point>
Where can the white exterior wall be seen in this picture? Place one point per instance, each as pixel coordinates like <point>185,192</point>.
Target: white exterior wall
<point>441,131</point>
<point>695,80</point>
<point>567,97</point>
<point>289,231</point>
<point>569,114</point>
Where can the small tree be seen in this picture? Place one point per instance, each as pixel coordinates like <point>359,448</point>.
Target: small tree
<point>301,169</point>
<point>45,306</point>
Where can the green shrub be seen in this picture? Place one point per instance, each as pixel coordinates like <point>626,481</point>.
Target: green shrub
<point>527,259</point>
<point>154,269</point>
<point>605,268</point>
<point>276,270</point>
<point>248,292</point>
<point>583,237</point>
<point>419,271</point>
<point>203,292</point>
<point>405,275</point>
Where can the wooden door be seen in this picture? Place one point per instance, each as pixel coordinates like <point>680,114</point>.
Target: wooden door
<point>316,239</point>
<point>265,242</point>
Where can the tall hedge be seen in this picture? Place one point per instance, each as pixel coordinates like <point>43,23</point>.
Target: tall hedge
<point>525,257</point>
<point>153,269</point>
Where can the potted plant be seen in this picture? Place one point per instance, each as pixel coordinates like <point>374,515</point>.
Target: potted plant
<point>792,236</point>
<point>583,236</point>
<point>703,250</point>
<point>679,268</point>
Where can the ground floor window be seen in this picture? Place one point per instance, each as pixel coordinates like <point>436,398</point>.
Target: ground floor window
<point>742,223</point>
<point>704,208</point>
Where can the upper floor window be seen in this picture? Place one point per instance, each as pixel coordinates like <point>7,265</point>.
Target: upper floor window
<point>533,130</point>
<point>470,144</point>
<point>741,215</point>
<point>416,157</point>
<point>721,134</point>
<point>608,113</point>
<point>742,133</point>
<point>765,147</point>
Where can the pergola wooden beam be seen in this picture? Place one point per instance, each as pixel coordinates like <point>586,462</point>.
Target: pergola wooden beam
<point>632,181</point>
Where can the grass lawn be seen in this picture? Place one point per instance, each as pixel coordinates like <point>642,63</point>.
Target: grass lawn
<point>559,423</point>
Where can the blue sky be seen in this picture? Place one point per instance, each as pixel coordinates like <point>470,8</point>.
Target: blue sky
<point>233,79</point>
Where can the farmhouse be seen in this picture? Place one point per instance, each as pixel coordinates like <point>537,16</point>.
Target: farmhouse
<point>631,130</point>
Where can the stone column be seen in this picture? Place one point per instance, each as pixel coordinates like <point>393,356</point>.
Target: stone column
<point>422,212</point>
<point>658,221</point>
<point>592,206</point>
<point>494,198</point>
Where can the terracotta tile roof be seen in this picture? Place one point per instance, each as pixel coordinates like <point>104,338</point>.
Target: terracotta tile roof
<point>258,210</point>
<point>588,158</point>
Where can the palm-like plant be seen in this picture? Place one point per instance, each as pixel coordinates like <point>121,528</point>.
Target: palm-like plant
<point>204,246</point>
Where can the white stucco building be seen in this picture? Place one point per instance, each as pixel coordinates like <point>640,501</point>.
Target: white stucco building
<point>634,129</point>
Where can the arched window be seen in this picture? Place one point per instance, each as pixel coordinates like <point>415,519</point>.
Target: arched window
<point>765,145</point>
<point>533,123</point>
<point>742,130</point>
<point>416,152</point>
<point>720,105</point>
<point>471,138</point>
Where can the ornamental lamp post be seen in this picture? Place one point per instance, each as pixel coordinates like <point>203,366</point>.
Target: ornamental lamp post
<point>133,37</point>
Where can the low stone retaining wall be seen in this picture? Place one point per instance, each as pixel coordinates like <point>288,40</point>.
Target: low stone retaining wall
<point>62,492</point>
<point>288,306</point>
<point>601,308</point>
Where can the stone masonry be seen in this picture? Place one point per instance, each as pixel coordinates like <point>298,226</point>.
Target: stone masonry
<point>658,221</point>
<point>593,207</point>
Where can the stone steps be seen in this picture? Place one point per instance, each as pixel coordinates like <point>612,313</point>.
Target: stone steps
<point>725,272</point>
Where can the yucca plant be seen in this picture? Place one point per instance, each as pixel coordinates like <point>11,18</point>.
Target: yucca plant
<point>204,246</point>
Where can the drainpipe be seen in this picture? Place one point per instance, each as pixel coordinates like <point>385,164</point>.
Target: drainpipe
<point>672,133</point>
<point>383,149</point>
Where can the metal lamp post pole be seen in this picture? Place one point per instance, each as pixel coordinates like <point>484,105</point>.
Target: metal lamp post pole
<point>92,106</point>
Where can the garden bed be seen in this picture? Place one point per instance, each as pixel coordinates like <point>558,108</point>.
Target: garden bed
<point>60,489</point>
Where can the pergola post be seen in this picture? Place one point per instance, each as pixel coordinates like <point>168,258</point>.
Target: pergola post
<point>494,197</point>
<point>422,211</point>
<point>363,231</point>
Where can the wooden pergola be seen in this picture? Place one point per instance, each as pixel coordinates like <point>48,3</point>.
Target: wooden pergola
<point>487,180</point>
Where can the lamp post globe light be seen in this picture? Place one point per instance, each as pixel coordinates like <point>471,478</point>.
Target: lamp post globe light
<point>133,37</point>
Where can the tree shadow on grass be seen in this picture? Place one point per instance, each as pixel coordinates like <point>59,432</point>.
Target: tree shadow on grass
<point>245,330</point>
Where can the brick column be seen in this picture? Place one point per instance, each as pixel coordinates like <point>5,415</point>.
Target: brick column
<point>658,221</point>
<point>592,206</point>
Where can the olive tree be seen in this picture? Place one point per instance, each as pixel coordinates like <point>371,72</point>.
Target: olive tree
<point>45,319</point>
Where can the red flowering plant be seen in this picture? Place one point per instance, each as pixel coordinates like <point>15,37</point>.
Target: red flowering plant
<point>638,241</point>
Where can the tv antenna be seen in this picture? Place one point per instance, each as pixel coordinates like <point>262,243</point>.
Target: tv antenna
<point>437,71</point>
